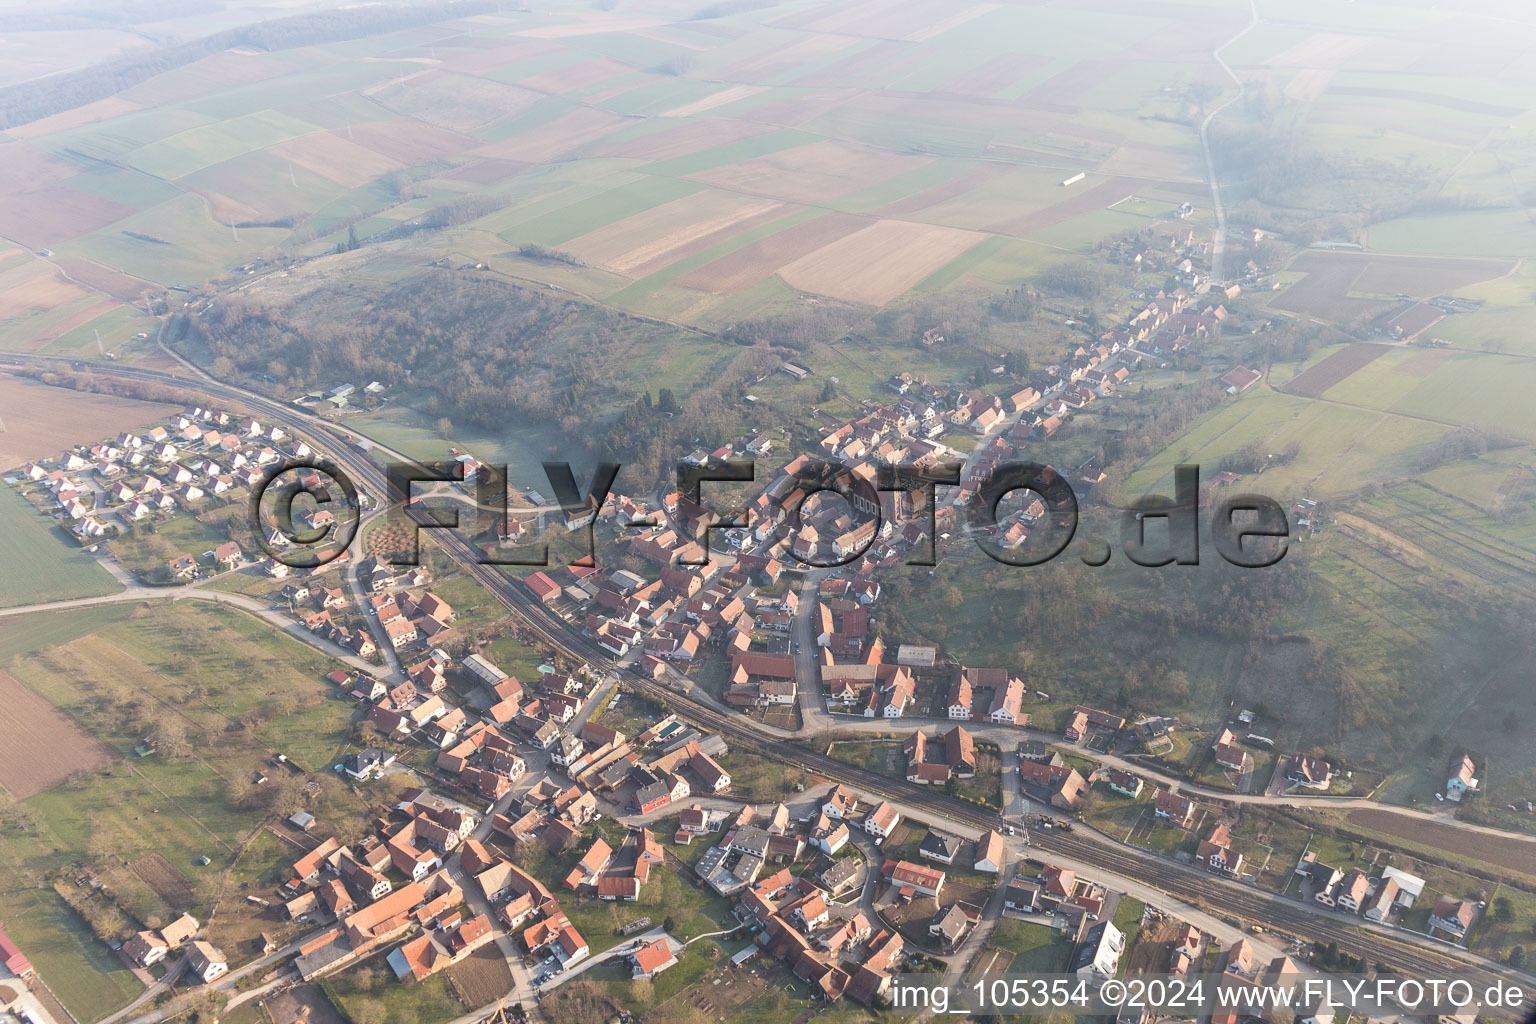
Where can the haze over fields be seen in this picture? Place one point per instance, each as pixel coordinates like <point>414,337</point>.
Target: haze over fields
<point>1292,242</point>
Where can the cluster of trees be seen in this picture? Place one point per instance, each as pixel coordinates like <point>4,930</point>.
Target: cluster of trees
<point>351,244</point>
<point>460,211</point>
<point>545,254</point>
<point>1463,443</point>
<point>16,817</point>
<point>1071,621</point>
<point>481,352</point>
<point>447,215</point>
<point>1284,342</point>
<point>1083,281</point>
<point>1331,956</point>
<point>1284,181</point>
<point>649,447</point>
<point>1255,457</point>
<point>797,329</point>
<point>1015,305</point>
<point>84,381</point>
<point>1153,421</point>
<point>30,101</point>
<point>965,319</point>
<point>1274,160</point>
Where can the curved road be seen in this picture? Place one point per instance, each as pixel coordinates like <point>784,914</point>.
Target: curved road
<point>134,591</point>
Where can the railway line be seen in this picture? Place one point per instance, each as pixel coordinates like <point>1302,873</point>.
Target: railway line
<point>1194,887</point>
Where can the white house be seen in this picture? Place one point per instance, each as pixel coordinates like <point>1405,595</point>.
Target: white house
<point>881,821</point>
<point>1099,955</point>
<point>206,961</point>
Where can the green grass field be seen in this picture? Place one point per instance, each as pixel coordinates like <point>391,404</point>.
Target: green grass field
<point>1507,232</point>
<point>192,150</point>
<point>87,977</point>
<point>669,893</point>
<point>21,635</point>
<point>189,246</point>
<point>695,962</point>
<point>185,661</point>
<point>1036,948</point>
<point>118,671</point>
<point>429,1001</point>
<point>1341,448</point>
<point>39,562</point>
<point>1454,388</point>
<point>115,328</point>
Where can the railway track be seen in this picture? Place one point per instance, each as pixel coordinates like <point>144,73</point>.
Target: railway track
<point>1196,888</point>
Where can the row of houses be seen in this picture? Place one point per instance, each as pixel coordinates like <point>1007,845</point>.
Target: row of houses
<point>351,887</point>
<point>1378,899</point>
<point>106,487</point>
<point>986,695</point>
<point>149,947</point>
<point>1058,891</point>
<point>836,950</point>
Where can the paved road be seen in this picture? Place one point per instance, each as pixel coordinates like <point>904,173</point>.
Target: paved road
<point>138,592</point>
<point>817,720</point>
<point>802,630</point>
<point>1007,737</point>
<point>1219,236</point>
<point>394,671</point>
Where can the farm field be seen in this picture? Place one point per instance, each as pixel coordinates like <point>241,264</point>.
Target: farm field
<point>198,170</point>
<point>1344,287</point>
<point>45,748</point>
<point>886,259</point>
<point>1474,233</point>
<point>648,242</point>
<point>1512,853</point>
<point>1436,384</point>
<point>40,562</point>
<point>1319,377</point>
<point>41,421</point>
